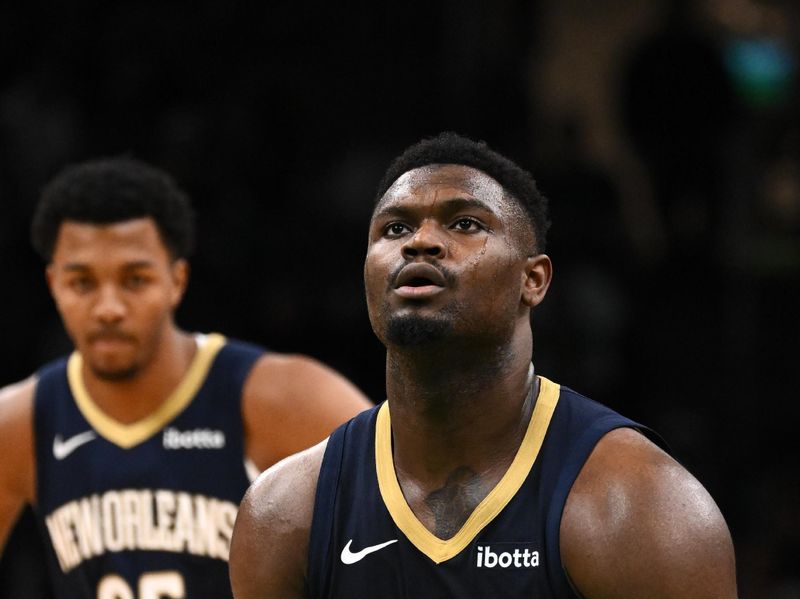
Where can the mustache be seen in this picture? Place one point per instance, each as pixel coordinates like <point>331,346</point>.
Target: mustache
<point>446,273</point>
<point>110,334</point>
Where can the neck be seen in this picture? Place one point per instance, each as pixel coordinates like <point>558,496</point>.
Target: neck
<point>458,419</point>
<point>456,406</point>
<point>135,398</point>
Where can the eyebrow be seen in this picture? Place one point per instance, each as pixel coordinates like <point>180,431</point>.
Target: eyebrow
<point>452,204</point>
<point>81,267</point>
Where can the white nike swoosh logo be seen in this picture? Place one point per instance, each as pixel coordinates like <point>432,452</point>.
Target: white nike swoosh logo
<point>348,557</point>
<point>62,448</point>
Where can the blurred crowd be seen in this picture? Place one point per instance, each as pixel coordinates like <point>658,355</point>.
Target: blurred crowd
<point>666,135</point>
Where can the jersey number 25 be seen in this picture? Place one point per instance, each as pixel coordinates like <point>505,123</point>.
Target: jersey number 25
<point>152,585</point>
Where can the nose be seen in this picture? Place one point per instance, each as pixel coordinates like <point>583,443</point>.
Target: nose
<point>427,240</point>
<point>109,306</point>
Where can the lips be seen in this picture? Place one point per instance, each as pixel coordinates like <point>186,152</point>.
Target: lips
<point>418,275</point>
<point>109,337</point>
<point>419,280</point>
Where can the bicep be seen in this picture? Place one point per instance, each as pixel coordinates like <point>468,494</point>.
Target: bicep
<point>637,524</point>
<point>262,563</point>
<point>16,449</point>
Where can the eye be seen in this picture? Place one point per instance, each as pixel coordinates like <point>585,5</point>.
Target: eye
<point>136,281</point>
<point>395,229</point>
<point>467,224</point>
<point>81,284</point>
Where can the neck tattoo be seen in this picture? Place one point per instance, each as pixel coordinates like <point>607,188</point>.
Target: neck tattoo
<point>452,504</point>
<point>464,489</point>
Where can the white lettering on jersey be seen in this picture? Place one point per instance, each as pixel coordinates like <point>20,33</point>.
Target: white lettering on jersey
<point>199,438</point>
<point>143,520</point>
<point>519,558</point>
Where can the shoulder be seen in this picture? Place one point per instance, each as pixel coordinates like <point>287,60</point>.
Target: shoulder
<point>270,539</point>
<point>17,477</point>
<point>287,490</point>
<point>638,524</point>
<point>18,394</point>
<point>291,402</point>
<point>16,408</point>
<point>281,377</point>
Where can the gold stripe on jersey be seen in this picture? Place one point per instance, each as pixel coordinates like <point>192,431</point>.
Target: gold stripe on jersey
<point>128,435</point>
<point>437,549</point>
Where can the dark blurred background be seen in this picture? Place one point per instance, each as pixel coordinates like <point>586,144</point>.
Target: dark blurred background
<point>666,134</point>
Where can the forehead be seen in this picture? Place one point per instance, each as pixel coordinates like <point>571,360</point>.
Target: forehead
<point>131,240</point>
<point>438,181</point>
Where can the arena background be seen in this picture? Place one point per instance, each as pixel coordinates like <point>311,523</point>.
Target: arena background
<point>666,135</point>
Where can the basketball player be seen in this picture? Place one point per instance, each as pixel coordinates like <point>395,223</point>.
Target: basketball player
<point>477,477</point>
<point>135,449</point>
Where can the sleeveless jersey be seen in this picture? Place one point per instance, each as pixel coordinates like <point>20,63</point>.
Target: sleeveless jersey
<point>366,542</point>
<point>143,510</point>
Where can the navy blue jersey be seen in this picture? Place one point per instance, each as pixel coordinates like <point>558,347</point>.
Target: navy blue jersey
<point>367,542</point>
<point>143,510</point>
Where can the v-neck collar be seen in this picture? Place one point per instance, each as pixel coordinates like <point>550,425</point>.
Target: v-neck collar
<point>437,549</point>
<point>128,435</point>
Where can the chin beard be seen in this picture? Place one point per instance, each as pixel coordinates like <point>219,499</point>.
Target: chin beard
<point>413,330</point>
<point>123,374</point>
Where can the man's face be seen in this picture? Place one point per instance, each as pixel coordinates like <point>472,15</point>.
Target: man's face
<point>116,289</point>
<point>447,256</point>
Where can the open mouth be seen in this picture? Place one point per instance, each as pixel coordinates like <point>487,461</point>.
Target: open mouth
<point>420,274</point>
<point>419,281</point>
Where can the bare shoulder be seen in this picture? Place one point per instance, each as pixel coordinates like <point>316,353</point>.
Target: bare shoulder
<point>18,395</point>
<point>270,539</point>
<point>283,378</point>
<point>16,421</point>
<point>17,478</point>
<point>292,401</point>
<point>638,524</point>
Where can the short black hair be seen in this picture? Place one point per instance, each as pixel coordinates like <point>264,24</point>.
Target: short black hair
<point>110,190</point>
<point>452,148</point>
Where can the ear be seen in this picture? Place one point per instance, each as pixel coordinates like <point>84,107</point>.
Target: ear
<point>537,276</point>
<point>50,279</point>
<point>49,275</point>
<point>180,279</point>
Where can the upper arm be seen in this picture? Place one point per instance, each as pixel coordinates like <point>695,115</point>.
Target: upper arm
<point>291,402</point>
<point>17,478</point>
<point>269,547</point>
<point>637,524</point>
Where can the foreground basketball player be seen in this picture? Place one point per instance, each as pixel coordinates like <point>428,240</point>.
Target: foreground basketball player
<point>477,477</point>
<point>132,451</point>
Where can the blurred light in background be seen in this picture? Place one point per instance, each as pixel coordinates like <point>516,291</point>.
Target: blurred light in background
<point>762,70</point>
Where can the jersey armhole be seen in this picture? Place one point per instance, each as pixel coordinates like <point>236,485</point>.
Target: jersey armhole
<point>581,449</point>
<point>321,535</point>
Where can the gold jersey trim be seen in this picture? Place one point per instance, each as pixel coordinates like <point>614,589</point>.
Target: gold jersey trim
<point>437,549</point>
<point>128,435</point>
